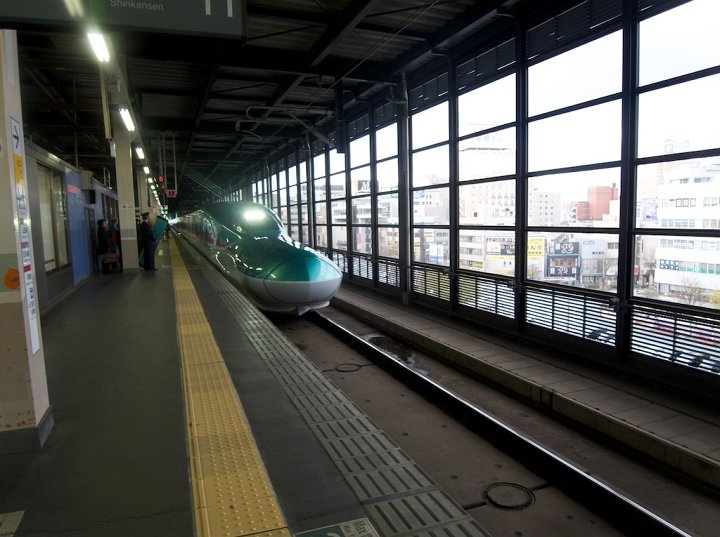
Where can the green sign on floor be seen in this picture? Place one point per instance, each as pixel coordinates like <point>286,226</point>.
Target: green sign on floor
<point>355,528</point>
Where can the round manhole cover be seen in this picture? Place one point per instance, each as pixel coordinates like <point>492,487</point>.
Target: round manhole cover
<point>508,496</point>
<point>348,368</point>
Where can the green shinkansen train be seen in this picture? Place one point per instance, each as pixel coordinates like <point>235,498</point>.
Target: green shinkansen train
<point>248,243</point>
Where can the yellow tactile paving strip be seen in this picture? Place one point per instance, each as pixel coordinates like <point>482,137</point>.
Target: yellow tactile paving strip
<point>231,490</point>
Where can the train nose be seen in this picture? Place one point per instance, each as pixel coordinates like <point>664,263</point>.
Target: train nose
<point>303,269</point>
<point>303,279</point>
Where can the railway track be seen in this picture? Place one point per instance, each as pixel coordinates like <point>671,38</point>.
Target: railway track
<point>530,491</point>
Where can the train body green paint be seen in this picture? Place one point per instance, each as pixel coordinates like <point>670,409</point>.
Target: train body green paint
<point>249,244</point>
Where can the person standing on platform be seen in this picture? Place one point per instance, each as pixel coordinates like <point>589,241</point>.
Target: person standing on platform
<point>148,243</point>
<point>114,234</point>
<point>103,245</point>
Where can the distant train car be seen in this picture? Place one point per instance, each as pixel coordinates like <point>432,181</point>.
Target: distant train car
<point>248,242</point>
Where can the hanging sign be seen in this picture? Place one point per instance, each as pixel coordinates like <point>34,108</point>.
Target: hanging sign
<point>215,18</point>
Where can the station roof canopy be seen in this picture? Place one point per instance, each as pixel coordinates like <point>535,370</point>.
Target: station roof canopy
<point>214,102</point>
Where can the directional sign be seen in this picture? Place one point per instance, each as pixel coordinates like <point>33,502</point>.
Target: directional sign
<point>16,137</point>
<point>217,18</point>
<point>18,151</point>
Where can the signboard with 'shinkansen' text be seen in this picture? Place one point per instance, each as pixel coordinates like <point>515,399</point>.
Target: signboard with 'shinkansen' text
<point>216,18</point>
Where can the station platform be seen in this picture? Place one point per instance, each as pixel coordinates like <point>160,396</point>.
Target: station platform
<point>181,410</point>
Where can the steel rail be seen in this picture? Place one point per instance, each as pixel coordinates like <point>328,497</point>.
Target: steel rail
<point>625,514</point>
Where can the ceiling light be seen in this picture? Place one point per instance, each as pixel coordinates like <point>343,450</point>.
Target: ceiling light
<point>146,169</point>
<point>125,114</point>
<point>99,47</point>
<point>150,179</point>
<point>74,8</point>
<point>139,152</point>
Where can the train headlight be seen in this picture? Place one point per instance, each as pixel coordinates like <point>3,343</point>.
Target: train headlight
<point>253,215</point>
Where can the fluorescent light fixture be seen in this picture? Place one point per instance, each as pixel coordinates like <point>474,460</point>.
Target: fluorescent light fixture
<point>146,169</point>
<point>74,8</point>
<point>99,47</point>
<point>125,115</point>
<point>139,152</point>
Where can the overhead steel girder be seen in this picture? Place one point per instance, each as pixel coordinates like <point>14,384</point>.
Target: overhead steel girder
<point>349,19</point>
<point>207,126</point>
<point>470,22</point>
<point>318,19</point>
<point>227,53</point>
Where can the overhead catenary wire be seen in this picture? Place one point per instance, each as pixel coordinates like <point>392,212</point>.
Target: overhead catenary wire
<point>374,49</point>
<point>381,43</point>
<point>344,74</point>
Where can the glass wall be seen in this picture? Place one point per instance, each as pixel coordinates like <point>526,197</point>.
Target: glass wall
<point>320,193</point>
<point>282,207</point>
<point>303,203</point>
<point>430,178</point>
<point>361,201</point>
<point>274,179</point>
<point>677,244</point>
<point>259,189</point>
<point>293,209</point>
<point>338,201</point>
<point>386,199</point>
<point>486,169</point>
<point>557,201</point>
<point>580,125</point>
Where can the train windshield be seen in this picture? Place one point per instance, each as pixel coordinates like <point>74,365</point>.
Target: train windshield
<point>257,218</point>
<point>246,218</point>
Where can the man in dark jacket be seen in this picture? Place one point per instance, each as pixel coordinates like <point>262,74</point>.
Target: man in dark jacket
<point>148,243</point>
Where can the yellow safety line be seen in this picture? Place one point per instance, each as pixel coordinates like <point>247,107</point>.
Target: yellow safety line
<point>232,494</point>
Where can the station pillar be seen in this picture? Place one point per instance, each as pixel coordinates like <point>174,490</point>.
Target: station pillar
<point>126,193</point>
<point>25,412</point>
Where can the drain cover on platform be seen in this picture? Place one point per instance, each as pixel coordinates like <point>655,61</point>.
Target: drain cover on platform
<point>509,496</point>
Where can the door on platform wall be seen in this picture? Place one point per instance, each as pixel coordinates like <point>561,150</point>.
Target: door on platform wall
<point>92,239</point>
<point>53,218</point>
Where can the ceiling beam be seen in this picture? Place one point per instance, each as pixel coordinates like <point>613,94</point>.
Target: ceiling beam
<point>345,24</point>
<point>231,54</point>
<point>304,17</point>
<point>42,105</point>
<point>462,26</point>
<point>210,78</point>
<point>391,30</point>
